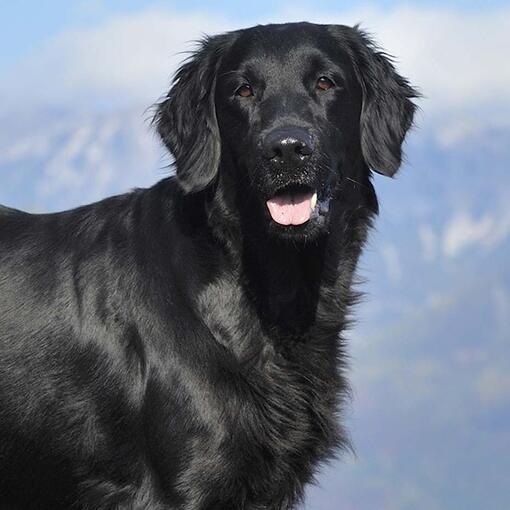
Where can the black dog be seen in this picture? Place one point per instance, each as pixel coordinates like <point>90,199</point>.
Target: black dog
<point>178,347</point>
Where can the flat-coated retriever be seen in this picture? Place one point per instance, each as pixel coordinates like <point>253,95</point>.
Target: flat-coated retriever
<point>179,347</point>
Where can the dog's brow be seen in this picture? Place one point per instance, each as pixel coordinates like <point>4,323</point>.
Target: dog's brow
<point>227,73</point>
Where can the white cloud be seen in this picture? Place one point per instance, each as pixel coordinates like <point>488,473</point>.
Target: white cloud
<point>463,231</point>
<point>125,60</point>
<point>456,57</point>
<point>501,304</point>
<point>439,301</point>
<point>493,386</point>
<point>458,129</point>
<point>392,261</point>
<point>428,240</point>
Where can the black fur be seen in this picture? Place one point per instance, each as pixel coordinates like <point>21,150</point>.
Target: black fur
<point>174,347</point>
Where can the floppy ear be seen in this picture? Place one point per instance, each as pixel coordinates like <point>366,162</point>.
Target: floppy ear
<point>387,110</point>
<point>186,119</point>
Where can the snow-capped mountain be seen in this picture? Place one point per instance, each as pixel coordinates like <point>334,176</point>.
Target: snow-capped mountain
<point>54,160</point>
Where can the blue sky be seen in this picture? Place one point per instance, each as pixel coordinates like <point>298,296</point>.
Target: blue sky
<point>430,417</point>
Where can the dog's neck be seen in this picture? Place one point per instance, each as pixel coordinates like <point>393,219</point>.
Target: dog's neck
<point>300,280</point>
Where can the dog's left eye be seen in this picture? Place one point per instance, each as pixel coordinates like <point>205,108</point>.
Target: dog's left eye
<point>244,90</point>
<point>324,83</point>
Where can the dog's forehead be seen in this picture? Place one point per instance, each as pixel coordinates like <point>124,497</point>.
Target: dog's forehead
<point>284,45</point>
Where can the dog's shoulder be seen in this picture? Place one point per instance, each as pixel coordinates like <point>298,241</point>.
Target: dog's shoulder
<point>109,219</point>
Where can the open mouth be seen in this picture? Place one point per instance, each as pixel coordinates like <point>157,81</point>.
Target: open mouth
<point>295,205</point>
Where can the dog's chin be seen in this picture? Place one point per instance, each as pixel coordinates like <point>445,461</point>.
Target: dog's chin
<point>306,232</point>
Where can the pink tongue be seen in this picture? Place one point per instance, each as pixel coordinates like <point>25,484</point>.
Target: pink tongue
<point>291,209</point>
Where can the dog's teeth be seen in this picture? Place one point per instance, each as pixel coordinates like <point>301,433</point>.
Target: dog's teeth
<point>313,202</point>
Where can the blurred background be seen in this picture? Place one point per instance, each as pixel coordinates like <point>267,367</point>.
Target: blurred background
<point>430,370</point>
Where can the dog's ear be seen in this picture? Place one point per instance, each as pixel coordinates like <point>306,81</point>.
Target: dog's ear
<point>186,118</point>
<point>387,110</point>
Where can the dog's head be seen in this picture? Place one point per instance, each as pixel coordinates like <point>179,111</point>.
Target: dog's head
<point>291,113</point>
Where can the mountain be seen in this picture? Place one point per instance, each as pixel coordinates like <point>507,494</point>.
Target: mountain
<point>56,160</point>
<point>430,351</point>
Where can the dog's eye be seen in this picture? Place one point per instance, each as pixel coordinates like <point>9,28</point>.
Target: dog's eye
<point>324,83</point>
<point>244,90</point>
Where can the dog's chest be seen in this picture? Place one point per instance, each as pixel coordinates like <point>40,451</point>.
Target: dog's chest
<point>269,430</point>
<point>275,407</point>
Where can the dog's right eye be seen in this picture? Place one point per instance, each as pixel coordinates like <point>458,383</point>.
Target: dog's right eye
<point>324,83</point>
<point>244,90</point>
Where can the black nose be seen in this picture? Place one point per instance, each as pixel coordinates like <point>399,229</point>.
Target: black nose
<point>288,145</point>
